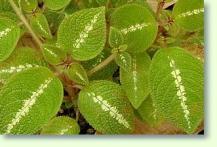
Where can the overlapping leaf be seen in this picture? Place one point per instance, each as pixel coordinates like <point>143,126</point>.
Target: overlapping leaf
<point>29,100</point>
<point>83,33</point>
<point>61,125</point>
<point>105,107</point>
<point>9,36</point>
<point>137,25</point>
<point>176,79</point>
<point>189,14</point>
<point>135,81</point>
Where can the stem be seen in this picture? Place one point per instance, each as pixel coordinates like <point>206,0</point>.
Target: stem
<point>102,64</point>
<point>25,22</point>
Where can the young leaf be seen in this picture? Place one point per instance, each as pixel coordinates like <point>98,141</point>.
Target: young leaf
<point>56,4</point>
<point>124,60</point>
<point>28,5</point>
<point>189,14</point>
<point>104,106</point>
<point>40,25</point>
<point>115,38</point>
<point>137,25</point>
<point>77,73</point>
<point>61,125</point>
<point>135,81</point>
<point>9,36</point>
<point>105,72</point>
<point>29,100</point>
<point>176,82</point>
<point>83,33</point>
<point>53,54</point>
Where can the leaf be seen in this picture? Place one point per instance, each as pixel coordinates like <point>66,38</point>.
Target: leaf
<point>189,14</point>
<point>9,36</point>
<point>124,60</point>
<point>29,100</point>
<point>40,25</point>
<point>56,4</point>
<point>104,106</point>
<point>83,33</point>
<point>137,25</point>
<point>105,72</point>
<point>176,82</point>
<point>21,59</point>
<point>115,38</point>
<point>149,113</point>
<point>77,73</point>
<point>61,125</point>
<point>53,54</point>
<point>135,81</point>
<point>28,5</point>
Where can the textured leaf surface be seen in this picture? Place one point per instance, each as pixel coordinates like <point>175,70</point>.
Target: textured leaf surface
<point>56,4</point>
<point>28,100</point>
<point>53,54</point>
<point>135,81</point>
<point>40,25</point>
<point>28,5</point>
<point>83,33</point>
<point>124,60</point>
<point>176,80</point>
<point>189,14</point>
<point>61,125</point>
<point>9,36</point>
<point>137,25</point>
<point>21,59</point>
<point>77,73</point>
<point>104,106</point>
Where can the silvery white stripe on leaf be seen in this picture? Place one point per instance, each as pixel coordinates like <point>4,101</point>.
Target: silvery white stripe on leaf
<point>52,53</point>
<point>190,13</point>
<point>5,32</point>
<point>18,68</point>
<point>27,105</point>
<point>113,112</point>
<point>134,28</point>
<point>180,90</point>
<point>84,34</point>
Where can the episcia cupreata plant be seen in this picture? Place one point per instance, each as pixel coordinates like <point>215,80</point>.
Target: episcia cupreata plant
<point>101,67</point>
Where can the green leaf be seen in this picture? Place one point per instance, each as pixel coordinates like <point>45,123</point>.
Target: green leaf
<point>77,73</point>
<point>61,125</point>
<point>135,81</point>
<point>28,5</point>
<point>21,59</point>
<point>56,4</point>
<point>176,82</point>
<point>29,100</point>
<point>189,14</point>
<point>83,33</point>
<point>40,25</point>
<point>124,60</point>
<point>104,106</point>
<point>137,25</point>
<point>53,54</point>
<point>115,38</point>
<point>105,72</point>
<point>149,113</point>
<point>9,36</point>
